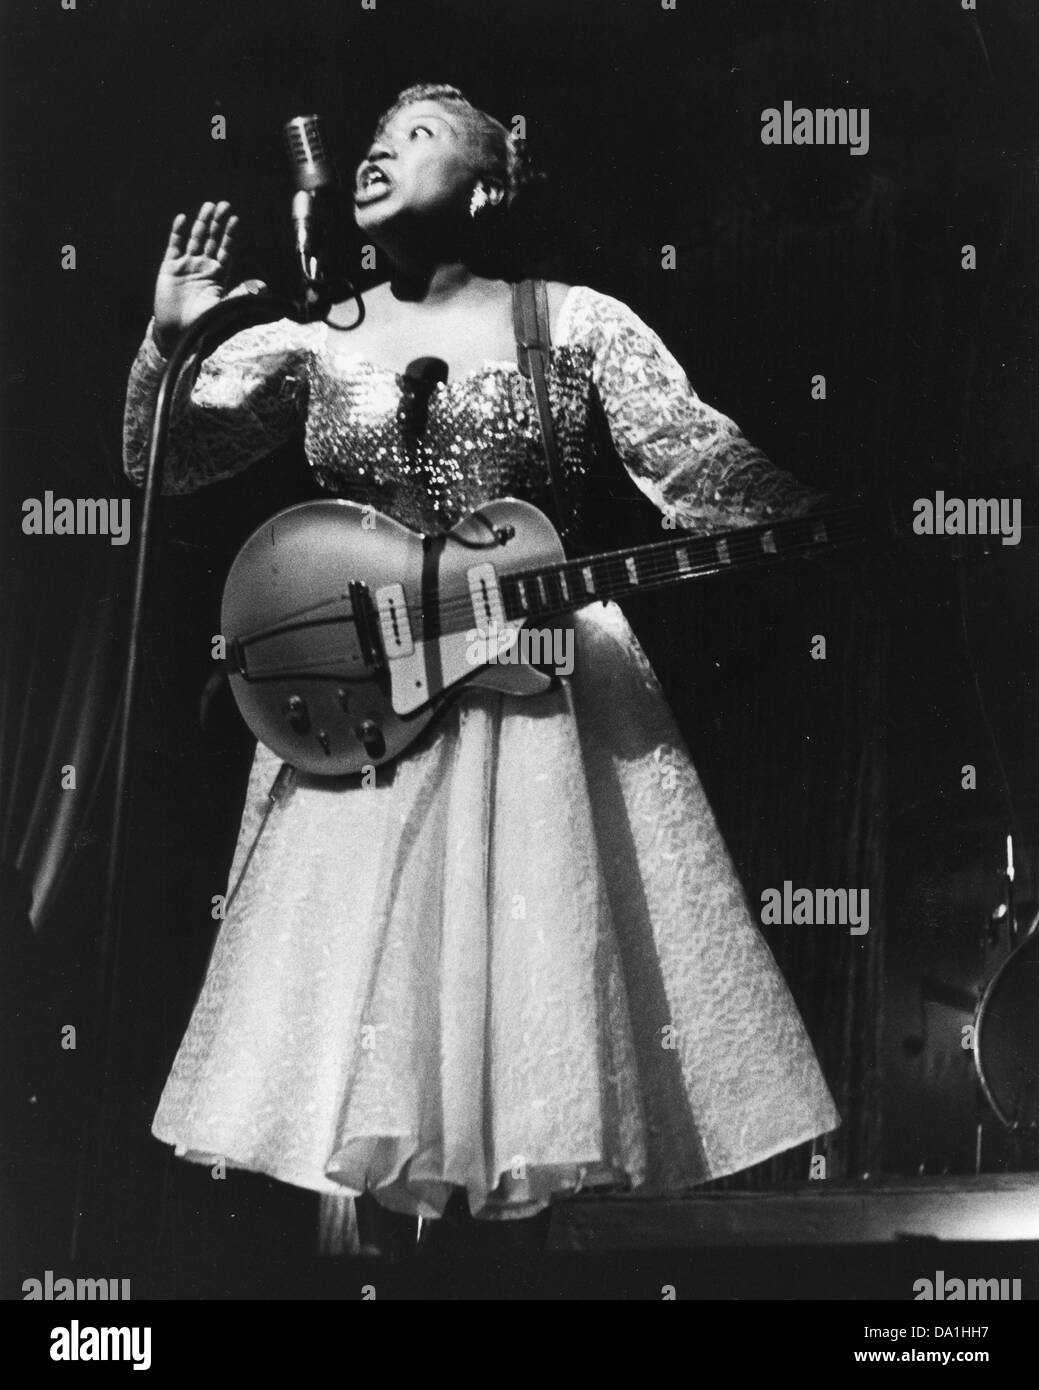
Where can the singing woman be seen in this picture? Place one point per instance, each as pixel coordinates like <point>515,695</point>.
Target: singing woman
<point>520,964</point>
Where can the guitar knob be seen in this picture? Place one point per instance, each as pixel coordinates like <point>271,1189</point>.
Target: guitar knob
<point>371,736</point>
<point>298,715</point>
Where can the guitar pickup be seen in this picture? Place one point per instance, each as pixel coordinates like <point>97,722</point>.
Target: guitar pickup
<point>485,596</point>
<point>394,623</point>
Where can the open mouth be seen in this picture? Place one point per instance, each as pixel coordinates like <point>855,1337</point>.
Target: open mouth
<point>372,182</point>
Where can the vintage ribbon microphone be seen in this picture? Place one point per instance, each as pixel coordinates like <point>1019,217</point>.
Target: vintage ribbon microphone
<point>315,202</point>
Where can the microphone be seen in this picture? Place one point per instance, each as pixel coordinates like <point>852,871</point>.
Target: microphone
<point>420,378</point>
<point>316,183</point>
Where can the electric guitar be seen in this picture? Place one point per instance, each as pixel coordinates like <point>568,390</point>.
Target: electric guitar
<point>346,632</point>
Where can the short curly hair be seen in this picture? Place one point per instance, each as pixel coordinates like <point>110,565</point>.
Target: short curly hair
<point>495,151</point>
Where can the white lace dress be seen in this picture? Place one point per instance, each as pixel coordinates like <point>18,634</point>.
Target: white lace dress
<point>521,963</point>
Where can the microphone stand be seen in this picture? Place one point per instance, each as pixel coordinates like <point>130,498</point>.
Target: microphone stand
<point>216,325</point>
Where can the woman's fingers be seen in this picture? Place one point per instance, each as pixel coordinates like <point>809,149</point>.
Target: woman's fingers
<point>200,230</point>
<point>175,245</point>
<point>225,251</point>
<point>215,230</point>
<point>211,235</point>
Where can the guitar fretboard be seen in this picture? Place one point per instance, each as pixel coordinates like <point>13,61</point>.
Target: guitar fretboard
<point>616,574</point>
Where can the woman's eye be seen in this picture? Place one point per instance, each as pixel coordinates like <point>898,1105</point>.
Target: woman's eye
<point>424,128</point>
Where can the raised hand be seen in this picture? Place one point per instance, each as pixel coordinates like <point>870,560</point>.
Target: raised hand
<point>194,271</point>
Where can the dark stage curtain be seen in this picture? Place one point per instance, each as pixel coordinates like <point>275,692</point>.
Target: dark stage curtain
<point>57,705</point>
<point>59,678</point>
<point>811,808</point>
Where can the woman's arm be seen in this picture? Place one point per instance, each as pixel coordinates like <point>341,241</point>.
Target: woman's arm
<point>230,410</point>
<point>689,459</point>
<point>244,400</point>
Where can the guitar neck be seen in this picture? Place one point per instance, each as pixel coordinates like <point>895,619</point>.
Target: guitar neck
<point>559,588</point>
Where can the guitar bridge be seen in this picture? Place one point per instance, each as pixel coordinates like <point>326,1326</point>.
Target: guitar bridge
<point>365,624</point>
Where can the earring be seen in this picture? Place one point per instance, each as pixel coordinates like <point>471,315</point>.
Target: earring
<point>479,200</point>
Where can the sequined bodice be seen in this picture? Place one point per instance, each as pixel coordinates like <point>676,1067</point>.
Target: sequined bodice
<point>613,386</point>
<point>480,438</point>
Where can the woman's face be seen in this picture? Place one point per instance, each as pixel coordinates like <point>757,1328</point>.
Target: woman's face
<point>420,166</point>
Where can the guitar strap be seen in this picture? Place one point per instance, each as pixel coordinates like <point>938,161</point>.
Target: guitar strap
<point>533,340</point>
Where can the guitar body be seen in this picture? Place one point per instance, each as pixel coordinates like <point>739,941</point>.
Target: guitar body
<point>347,632</point>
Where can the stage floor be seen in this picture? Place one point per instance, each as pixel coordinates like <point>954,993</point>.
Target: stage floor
<point>990,1208</point>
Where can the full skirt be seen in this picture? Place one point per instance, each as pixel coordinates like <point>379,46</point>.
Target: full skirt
<point>519,963</point>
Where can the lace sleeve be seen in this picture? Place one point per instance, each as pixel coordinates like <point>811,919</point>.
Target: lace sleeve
<point>244,400</point>
<point>685,456</point>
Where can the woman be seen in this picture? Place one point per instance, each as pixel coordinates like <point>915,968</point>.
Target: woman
<point>521,964</point>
